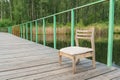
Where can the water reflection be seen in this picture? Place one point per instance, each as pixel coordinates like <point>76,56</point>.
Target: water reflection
<point>101,44</point>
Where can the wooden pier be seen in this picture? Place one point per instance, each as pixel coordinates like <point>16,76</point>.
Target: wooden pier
<point>21,59</point>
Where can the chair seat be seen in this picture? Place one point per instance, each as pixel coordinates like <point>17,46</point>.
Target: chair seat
<point>75,50</point>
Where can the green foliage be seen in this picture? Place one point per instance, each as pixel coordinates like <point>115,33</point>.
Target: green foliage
<point>68,24</point>
<point>80,23</point>
<point>21,11</point>
<point>100,25</point>
<point>6,23</point>
<point>17,10</point>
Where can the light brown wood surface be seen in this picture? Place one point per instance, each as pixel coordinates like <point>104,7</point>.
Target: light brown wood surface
<point>80,34</point>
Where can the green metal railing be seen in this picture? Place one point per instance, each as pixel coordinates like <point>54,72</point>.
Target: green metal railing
<point>26,30</point>
<point>31,31</point>
<point>54,21</point>
<point>111,26</point>
<point>44,33</point>
<point>72,27</point>
<point>110,34</point>
<point>10,30</point>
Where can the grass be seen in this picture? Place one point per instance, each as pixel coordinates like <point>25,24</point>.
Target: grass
<point>100,28</point>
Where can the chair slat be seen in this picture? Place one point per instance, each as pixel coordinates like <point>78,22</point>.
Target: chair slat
<point>83,37</point>
<point>84,34</point>
<point>87,31</point>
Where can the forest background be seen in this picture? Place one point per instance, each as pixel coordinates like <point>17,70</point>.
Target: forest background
<point>14,12</point>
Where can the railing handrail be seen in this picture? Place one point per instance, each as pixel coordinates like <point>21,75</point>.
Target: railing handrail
<point>86,5</point>
<point>54,23</point>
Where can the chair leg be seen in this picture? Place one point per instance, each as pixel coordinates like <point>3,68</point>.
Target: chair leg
<point>93,61</point>
<point>74,65</point>
<point>60,59</point>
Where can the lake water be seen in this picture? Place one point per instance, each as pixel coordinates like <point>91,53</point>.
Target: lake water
<point>101,44</point>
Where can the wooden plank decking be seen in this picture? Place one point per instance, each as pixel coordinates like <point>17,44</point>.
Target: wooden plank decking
<point>25,60</point>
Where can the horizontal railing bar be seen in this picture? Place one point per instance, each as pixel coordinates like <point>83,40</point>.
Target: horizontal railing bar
<point>49,16</point>
<point>89,4</point>
<point>86,5</point>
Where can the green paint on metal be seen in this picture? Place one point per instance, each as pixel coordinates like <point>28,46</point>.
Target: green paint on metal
<point>44,33</point>
<point>36,24</point>
<point>21,31</point>
<point>10,30</point>
<point>72,27</point>
<point>54,15</point>
<point>111,30</point>
<point>89,4</point>
<point>27,31</point>
<point>31,31</point>
<point>86,5</point>
<point>54,24</point>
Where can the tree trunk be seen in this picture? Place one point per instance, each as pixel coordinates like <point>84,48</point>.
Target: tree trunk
<point>32,10</point>
<point>1,10</point>
<point>10,9</point>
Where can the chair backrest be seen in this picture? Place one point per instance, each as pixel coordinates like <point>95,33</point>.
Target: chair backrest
<point>86,34</point>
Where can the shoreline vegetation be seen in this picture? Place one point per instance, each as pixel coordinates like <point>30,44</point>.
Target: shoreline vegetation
<point>100,29</point>
<point>63,31</point>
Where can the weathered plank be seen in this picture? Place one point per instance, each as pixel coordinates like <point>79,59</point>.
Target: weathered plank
<point>19,65</point>
<point>82,74</point>
<point>21,59</point>
<point>54,72</point>
<point>31,71</point>
<point>26,54</point>
<point>107,76</point>
<point>116,78</point>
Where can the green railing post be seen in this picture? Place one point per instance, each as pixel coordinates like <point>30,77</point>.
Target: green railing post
<point>72,27</point>
<point>54,24</point>
<point>44,33</point>
<point>21,31</point>
<point>10,29</point>
<point>54,15</point>
<point>24,31</point>
<point>110,35</point>
<point>27,31</point>
<point>36,24</point>
<point>31,31</point>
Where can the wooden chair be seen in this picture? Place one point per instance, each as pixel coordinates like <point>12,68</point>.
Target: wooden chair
<point>76,52</point>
